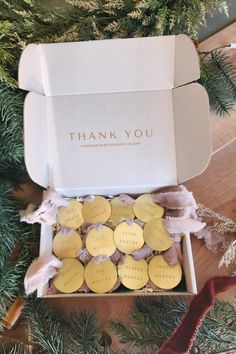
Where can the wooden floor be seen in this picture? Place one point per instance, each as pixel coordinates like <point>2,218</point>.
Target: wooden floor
<point>215,188</point>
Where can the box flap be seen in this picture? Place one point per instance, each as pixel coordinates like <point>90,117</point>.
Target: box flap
<point>88,152</point>
<point>187,68</point>
<point>192,130</point>
<point>132,152</point>
<point>29,70</point>
<point>115,65</point>
<point>35,138</point>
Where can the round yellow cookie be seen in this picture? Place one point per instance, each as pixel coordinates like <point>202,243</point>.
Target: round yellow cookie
<point>100,278</point>
<point>97,211</point>
<point>71,215</point>
<point>128,238</point>
<point>146,209</point>
<point>133,274</point>
<point>70,277</point>
<point>99,242</point>
<point>120,210</point>
<point>68,245</point>
<point>164,275</point>
<point>155,236</point>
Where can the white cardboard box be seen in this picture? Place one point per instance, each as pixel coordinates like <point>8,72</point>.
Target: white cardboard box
<point>114,116</point>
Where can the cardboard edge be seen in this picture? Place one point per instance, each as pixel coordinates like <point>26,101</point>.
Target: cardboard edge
<point>189,270</point>
<point>187,68</point>
<point>29,69</point>
<point>45,248</point>
<point>133,293</point>
<point>192,131</point>
<point>35,138</point>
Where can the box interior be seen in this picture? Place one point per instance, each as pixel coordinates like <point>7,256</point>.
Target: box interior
<point>188,269</point>
<point>123,110</point>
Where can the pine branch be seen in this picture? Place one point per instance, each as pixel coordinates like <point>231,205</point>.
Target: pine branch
<point>85,332</point>
<point>218,75</point>
<point>52,333</point>
<point>23,22</point>
<point>12,232</point>
<point>152,322</point>
<point>15,349</point>
<point>217,332</point>
<point>134,336</point>
<point>47,332</point>
<point>11,282</point>
<point>11,126</point>
<point>13,171</point>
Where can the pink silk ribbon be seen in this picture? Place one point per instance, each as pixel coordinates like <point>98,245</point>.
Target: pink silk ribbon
<point>175,200</point>
<point>178,225</point>
<point>212,239</point>
<point>40,271</point>
<point>145,251</point>
<point>47,212</point>
<point>126,199</point>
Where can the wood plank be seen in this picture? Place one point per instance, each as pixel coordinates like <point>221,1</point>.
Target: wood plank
<point>221,38</point>
<point>223,128</point>
<point>215,188</point>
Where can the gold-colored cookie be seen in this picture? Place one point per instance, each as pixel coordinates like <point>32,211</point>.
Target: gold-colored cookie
<point>120,210</point>
<point>68,245</point>
<point>100,278</point>
<point>128,238</point>
<point>99,242</point>
<point>155,235</point>
<point>70,277</point>
<point>133,274</point>
<point>146,209</point>
<point>164,275</point>
<point>71,215</point>
<point>97,211</point>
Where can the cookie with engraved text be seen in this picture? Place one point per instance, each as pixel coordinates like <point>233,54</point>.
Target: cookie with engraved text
<point>128,237</point>
<point>155,235</point>
<point>121,210</point>
<point>97,210</point>
<point>146,209</point>
<point>102,277</point>
<point>100,242</point>
<point>67,245</point>
<point>70,277</point>
<point>71,215</point>
<point>133,274</point>
<point>164,275</point>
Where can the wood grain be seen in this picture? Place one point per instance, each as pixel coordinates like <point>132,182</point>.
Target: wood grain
<point>215,188</point>
<point>223,129</point>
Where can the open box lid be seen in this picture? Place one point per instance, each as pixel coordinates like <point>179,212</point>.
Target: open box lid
<point>115,65</point>
<point>113,116</point>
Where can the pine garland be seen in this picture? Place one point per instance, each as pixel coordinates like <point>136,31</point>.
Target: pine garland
<point>152,320</point>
